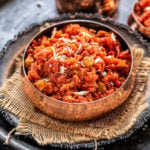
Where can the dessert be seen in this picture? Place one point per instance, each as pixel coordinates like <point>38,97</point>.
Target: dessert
<point>77,64</point>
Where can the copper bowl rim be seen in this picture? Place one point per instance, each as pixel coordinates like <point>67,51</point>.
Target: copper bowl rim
<point>134,16</point>
<point>78,21</point>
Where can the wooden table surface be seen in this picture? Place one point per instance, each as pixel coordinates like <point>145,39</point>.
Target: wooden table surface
<point>16,15</point>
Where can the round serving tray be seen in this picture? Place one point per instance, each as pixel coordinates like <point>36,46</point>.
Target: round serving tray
<point>15,46</point>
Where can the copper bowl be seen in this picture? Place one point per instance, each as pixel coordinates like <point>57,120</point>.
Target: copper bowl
<point>143,29</point>
<point>104,7</point>
<point>78,111</point>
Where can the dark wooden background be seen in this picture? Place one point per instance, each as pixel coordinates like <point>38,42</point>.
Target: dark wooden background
<point>16,15</point>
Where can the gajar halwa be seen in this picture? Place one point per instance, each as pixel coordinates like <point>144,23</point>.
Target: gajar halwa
<point>77,64</point>
<point>142,11</point>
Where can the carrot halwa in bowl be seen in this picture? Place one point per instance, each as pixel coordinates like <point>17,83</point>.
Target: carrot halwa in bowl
<point>77,70</point>
<point>141,15</point>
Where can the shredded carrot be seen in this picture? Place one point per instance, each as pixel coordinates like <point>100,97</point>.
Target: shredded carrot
<point>76,64</point>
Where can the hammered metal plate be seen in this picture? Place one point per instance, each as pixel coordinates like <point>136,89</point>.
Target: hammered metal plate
<point>12,48</point>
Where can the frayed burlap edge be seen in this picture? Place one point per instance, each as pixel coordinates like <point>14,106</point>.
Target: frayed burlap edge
<point>46,136</point>
<point>46,130</point>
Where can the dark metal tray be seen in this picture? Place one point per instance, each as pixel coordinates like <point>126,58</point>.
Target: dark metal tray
<point>18,44</point>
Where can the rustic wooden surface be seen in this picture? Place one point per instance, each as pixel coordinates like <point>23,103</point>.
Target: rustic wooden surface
<point>16,15</point>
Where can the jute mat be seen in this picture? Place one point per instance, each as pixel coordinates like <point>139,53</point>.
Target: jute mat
<point>46,130</point>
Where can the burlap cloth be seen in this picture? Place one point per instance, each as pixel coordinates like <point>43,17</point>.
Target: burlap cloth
<point>45,129</point>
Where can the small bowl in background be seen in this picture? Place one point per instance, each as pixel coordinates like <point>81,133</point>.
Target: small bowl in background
<point>104,7</point>
<point>134,22</point>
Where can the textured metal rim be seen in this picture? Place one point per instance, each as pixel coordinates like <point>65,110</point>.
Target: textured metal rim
<point>143,117</point>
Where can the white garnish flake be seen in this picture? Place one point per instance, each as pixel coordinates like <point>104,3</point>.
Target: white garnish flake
<point>98,70</point>
<point>46,79</point>
<point>97,60</point>
<point>62,69</point>
<point>104,73</point>
<point>81,93</point>
<point>61,57</point>
<point>94,43</point>
<point>67,40</point>
<point>50,65</point>
<point>73,40</point>
<point>86,34</point>
<point>53,33</point>
<point>109,56</point>
<point>111,83</point>
<point>113,37</point>
<point>69,49</point>
<point>79,49</point>
<point>82,64</point>
<point>101,47</point>
<point>54,52</point>
<point>147,8</point>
